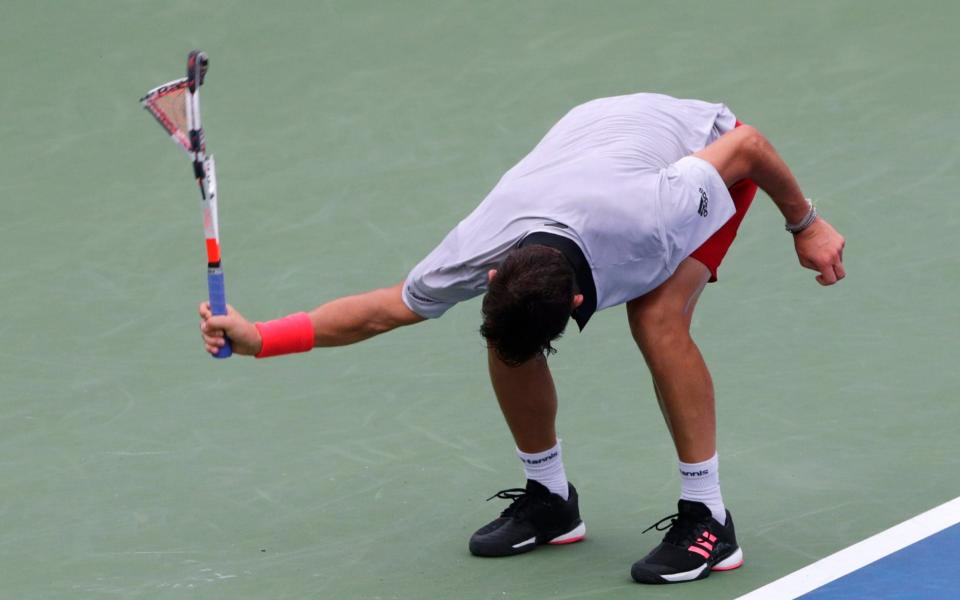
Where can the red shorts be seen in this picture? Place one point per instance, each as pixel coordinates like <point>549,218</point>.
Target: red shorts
<point>713,250</point>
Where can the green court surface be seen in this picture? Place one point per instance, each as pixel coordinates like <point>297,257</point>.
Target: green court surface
<point>350,136</point>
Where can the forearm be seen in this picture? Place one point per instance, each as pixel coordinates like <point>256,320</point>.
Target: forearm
<point>769,171</point>
<point>352,319</point>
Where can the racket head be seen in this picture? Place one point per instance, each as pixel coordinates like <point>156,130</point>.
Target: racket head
<point>197,63</point>
<point>168,105</point>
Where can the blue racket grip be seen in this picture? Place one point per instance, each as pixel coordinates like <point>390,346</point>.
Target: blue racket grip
<point>218,304</point>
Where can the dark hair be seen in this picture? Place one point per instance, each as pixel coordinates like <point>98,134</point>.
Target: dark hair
<point>528,304</point>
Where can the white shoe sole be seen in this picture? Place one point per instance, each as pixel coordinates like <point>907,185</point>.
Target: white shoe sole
<point>574,535</point>
<point>728,564</point>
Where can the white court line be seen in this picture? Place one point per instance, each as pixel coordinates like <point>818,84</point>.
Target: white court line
<point>860,554</point>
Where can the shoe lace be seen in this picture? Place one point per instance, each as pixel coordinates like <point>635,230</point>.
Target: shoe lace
<point>683,529</point>
<point>519,497</point>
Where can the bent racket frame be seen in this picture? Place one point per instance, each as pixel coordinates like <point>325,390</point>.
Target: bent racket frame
<point>176,106</point>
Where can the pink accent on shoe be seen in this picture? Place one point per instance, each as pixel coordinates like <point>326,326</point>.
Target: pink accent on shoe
<point>570,541</point>
<point>705,544</point>
<point>730,568</point>
<point>709,536</point>
<point>699,551</point>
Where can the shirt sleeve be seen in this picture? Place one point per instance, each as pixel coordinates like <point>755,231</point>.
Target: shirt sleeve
<point>725,122</point>
<point>695,203</point>
<point>441,280</point>
<point>421,299</point>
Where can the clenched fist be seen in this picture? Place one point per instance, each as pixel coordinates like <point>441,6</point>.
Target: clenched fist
<point>820,248</point>
<point>242,333</point>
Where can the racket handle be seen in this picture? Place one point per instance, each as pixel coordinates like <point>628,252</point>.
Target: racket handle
<point>218,304</point>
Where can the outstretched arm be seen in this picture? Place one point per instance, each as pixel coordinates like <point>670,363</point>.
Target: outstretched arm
<point>339,322</point>
<point>745,153</point>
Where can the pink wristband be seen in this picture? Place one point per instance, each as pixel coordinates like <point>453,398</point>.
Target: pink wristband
<point>293,333</point>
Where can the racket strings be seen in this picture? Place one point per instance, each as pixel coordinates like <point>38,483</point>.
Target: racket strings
<point>168,105</point>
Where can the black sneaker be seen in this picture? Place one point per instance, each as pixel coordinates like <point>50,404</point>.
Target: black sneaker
<point>695,545</point>
<point>535,517</point>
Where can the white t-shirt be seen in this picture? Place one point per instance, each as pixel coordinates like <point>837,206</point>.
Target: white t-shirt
<point>616,177</point>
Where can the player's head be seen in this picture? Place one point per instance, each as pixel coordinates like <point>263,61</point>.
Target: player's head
<point>528,303</point>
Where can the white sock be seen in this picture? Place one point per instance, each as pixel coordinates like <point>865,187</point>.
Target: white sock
<point>546,468</point>
<point>700,482</point>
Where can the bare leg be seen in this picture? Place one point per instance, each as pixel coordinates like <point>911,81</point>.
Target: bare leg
<point>660,323</point>
<point>528,400</point>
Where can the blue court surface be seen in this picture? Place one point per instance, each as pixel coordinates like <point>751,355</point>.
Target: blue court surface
<point>917,559</point>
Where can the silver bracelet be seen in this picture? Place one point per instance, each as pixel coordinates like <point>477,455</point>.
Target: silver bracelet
<point>807,221</point>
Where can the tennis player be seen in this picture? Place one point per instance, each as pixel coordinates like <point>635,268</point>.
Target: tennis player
<point>628,200</point>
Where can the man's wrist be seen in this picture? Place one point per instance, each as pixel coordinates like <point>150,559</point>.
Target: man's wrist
<point>291,334</point>
<point>805,222</point>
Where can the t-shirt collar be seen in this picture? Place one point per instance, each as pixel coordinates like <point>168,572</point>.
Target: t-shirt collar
<point>581,269</point>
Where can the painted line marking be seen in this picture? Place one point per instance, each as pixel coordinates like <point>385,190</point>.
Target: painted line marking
<point>860,554</point>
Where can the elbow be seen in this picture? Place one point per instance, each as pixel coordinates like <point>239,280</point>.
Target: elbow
<point>383,326</point>
<point>753,150</point>
<point>754,146</point>
<point>390,321</point>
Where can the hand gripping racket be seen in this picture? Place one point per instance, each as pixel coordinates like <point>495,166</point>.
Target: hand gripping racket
<point>176,106</point>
